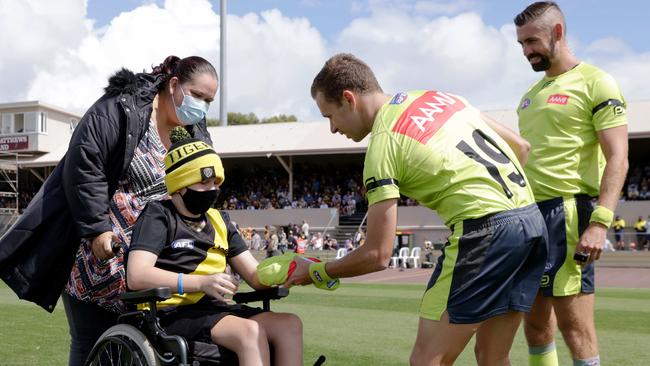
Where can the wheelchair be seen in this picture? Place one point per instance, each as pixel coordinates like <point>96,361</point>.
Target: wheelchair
<point>138,339</point>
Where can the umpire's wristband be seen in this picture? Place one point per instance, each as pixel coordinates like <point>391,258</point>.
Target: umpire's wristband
<point>320,278</point>
<point>602,215</point>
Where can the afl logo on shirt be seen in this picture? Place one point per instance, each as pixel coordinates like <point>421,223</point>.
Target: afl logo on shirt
<point>183,244</point>
<point>525,103</point>
<point>399,98</point>
<point>558,99</point>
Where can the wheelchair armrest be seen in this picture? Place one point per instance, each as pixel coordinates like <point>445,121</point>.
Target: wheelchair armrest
<point>272,293</point>
<point>145,296</point>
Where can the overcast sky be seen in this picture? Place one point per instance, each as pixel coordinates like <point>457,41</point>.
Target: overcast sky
<point>62,51</point>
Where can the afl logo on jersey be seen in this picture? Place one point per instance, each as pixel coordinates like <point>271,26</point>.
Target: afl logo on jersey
<point>525,103</point>
<point>399,98</point>
<point>183,244</point>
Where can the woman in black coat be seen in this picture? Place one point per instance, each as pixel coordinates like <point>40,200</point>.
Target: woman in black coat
<point>64,241</point>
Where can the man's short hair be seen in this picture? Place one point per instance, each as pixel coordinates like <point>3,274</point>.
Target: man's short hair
<point>344,72</point>
<point>534,11</point>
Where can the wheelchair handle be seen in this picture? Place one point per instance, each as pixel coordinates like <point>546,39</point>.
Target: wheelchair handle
<point>115,247</point>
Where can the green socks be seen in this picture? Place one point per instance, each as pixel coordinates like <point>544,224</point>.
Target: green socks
<point>543,355</point>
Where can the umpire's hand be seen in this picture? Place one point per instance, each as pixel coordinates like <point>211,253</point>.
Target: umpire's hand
<point>300,275</point>
<point>590,244</point>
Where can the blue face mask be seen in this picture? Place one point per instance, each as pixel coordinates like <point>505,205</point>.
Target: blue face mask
<point>192,110</point>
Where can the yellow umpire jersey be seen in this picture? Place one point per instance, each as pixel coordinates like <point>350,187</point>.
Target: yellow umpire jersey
<point>435,147</point>
<point>561,116</point>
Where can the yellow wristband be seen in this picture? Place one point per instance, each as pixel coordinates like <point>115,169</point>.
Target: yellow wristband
<point>320,278</point>
<point>602,215</point>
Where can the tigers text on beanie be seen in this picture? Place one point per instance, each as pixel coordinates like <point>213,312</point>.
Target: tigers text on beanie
<point>191,161</point>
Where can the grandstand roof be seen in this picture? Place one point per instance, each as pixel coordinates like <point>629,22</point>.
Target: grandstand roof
<point>49,159</point>
<point>314,138</point>
<point>293,138</point>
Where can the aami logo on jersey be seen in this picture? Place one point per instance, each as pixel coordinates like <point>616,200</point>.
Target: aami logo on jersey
<point>427,114</point>
<point>557,99</point>
<point>183,244</point>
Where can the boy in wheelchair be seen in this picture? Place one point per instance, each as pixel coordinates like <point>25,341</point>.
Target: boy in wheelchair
<point>185,245</point>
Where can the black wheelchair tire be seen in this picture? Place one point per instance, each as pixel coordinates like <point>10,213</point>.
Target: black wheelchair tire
<point>123,345</point>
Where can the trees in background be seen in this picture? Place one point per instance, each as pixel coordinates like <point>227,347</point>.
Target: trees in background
<point>235,118</point>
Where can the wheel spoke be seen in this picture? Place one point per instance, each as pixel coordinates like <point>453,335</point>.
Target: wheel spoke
<point>118,351</point>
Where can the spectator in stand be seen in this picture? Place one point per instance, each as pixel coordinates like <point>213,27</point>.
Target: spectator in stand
<point>348,245</point>
<point>267,235</point>
<point>305,228</point>
<point>327,242</point>
<point>428,251</point>
<point>643,193</point>
<point>256,241</point>
<point>641,227</point>
<point>247,235</point>
<point>632,191</point>
<point>301,244</point>
<point>282,237</point>
<point>334,244</point>
<point>359,238</point>
<point>351,204</point>
<point>291,240</point>
<point>619,228</point>
<point>272,246</point>
<point>317,241</point>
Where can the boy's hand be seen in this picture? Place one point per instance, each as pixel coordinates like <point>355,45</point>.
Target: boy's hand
<point>219,285</point>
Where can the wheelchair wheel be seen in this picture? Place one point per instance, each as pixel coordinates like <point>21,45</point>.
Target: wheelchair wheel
<point>123,345</point>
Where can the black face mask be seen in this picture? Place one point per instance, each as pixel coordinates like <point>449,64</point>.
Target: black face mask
<point>198,202</point>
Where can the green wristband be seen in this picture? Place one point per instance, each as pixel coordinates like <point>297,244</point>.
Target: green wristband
<point>320,278</point>
<point>602,215</point>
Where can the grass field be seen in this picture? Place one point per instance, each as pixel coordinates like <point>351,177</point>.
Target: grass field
<point>359,324</point>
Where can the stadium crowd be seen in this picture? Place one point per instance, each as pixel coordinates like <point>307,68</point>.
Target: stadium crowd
<point>263,189</point>
<point>637,184</point>
<point>295,238</point>
<point>314,187</point>
<point>24,197</point>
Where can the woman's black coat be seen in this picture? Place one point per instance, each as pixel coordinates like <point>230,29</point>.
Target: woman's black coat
<point>38,251</point>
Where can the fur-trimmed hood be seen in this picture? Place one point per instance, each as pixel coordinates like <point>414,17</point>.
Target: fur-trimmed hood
<point>143,85</point>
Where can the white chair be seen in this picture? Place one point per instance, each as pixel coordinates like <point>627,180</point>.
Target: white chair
<point>341,252</point>
<point>400,259</point>
<point>415,257</point>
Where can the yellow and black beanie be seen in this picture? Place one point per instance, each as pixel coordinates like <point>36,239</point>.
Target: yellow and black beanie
<point>191,161</point>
